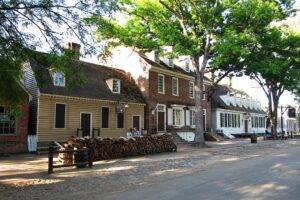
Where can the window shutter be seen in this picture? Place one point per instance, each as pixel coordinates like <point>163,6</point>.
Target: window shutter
<point>170,117</point>
<point>187,118</point>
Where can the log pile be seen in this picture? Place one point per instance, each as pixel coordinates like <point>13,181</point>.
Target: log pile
<point>108,148</point>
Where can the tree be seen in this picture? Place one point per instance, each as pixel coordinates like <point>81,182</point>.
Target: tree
<point>188,26</point>
<point>26,25</point>
<point>265,52</point>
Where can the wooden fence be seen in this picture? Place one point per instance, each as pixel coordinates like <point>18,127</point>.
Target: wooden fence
<point>51,166</point>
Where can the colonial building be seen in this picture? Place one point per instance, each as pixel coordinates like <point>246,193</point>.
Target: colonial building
<point>168,89</point>
<point>14,127</point>
<point>108,104</point>
<point>235,113</point>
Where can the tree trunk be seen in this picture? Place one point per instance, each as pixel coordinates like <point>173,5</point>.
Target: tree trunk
<point>199,139</point>
<point>275,113</point>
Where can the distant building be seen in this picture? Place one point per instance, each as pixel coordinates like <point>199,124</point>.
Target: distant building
<point>289,120</point>
<point>234,112</point>
<point>109,104</point>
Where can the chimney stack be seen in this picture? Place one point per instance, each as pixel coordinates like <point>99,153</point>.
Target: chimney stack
<point>75,47</point>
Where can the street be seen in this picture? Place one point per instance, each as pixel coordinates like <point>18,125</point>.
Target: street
<point>266,177</point>
<point>231,169</point>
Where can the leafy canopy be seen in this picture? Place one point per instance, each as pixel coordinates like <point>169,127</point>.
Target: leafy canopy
<point>26,25</point>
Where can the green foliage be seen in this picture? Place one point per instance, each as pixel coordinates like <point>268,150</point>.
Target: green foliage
<point>27,25</point>
<point>151,24</point>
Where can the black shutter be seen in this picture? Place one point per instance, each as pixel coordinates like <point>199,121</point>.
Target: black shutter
<point>60,115</point>
<point>105,117</point>
<point>120,120</point>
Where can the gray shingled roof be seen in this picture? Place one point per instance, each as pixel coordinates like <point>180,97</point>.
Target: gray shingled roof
<point>95,86</point>
<point>216,101</point>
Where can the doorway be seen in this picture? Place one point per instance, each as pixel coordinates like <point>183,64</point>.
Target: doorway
<point>161,118</point>
<point>246,126</point>
<point>85,124</point>
<point>136,123</point>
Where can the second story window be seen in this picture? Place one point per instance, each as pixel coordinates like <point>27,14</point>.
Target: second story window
<point>116,86</point>
<point>59,78</point>
<point>161,83</point>
<point>175,86</point>
<point>192,90</point>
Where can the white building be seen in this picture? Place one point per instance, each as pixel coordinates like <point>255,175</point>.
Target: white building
<point>235,113</point>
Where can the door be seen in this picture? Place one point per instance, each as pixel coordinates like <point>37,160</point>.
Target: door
<point>136,122</point>
<point>160,121</point>
<point>86,124</point>
<point>246,126</point>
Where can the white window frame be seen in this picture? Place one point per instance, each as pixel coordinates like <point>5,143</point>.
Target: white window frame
<point>15,124</point>
<point>55,115</point>
<point>118,86</point>
<point>174,117</point>
<point>55,77</point>
<point>192,117</point>
<point>177,84</point>
<point>163,84</point>
<point>203,92</point>
<point>192,89</point>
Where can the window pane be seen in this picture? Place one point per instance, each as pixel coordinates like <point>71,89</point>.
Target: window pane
<point>105,117</point>
<point>160,83</point>
<point>116,86</point>
<point>7,121</point>
<point>175,86</point>
<point>60,116</point>
<point>120,120</point>
<point>192,90</point>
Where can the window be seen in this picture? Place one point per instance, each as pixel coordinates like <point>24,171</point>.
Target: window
<point>59,78</point>
<point>192,117</point>
<point>175,86</point>
<point>192,89</point>
<point>161,83</point>
<point>257,122</point>
<point>177,120</point>
<point>120,120</point>
<point>222,120</point>
<point>60,115</point>
<point>105,117</point>
<point>7,122</point>
<point>116,87</point>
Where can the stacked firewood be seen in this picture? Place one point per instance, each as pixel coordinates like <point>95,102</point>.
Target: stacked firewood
<point>108,148</point>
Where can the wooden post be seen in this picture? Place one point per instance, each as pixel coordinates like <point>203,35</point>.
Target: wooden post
<point>90,157</point>
<point>50,160</point>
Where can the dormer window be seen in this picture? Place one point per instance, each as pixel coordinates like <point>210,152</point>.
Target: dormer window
<point>59,78</point>
<point>116,86</point>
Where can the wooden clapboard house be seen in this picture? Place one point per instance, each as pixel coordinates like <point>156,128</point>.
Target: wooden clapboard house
<point>109,104</point>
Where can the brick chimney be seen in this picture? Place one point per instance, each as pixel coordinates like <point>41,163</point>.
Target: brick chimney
<point>75,47</point>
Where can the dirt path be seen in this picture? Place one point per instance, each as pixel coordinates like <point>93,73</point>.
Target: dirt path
<point>25,176</point>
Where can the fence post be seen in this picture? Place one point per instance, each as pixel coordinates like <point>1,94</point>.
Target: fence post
<point>50,160</point>
<point>90,158</point>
